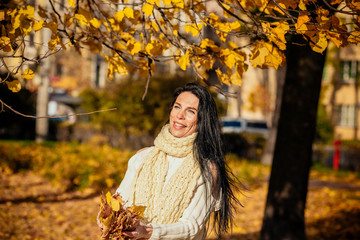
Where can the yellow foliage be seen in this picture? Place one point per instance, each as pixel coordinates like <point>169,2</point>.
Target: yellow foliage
<point>81,19</point>
<point>133,46</point>
<point>302,6</point>
<point>195,29</point>
<point>38,25</point>
<point>266,54</point>
<point>28,74</point>
<point>119,15</point>
<point>52,44</point>
<point>129,12</point>
<point>71,3</point>
<point>95,23</point>
<point>223,77</point>
<point>147,9</point>
<point>154,48</point>
<point>5,44</point>
<point>301,24</point>
<point>319,42</point>
<point>184,61</point>
<point>116,65</point>
<point>14,85</point>
<point>52,26</point>
<point>154,26</point>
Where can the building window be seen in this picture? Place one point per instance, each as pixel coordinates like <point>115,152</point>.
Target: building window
<point>349,71</point>
<point>346,116</point>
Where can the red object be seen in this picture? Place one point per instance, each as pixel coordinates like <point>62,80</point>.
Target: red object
<point>336,158</point>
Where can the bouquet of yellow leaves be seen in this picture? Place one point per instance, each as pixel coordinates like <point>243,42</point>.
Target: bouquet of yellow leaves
<point>115,218</point>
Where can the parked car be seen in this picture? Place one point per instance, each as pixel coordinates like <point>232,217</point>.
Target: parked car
<point>239,125</point>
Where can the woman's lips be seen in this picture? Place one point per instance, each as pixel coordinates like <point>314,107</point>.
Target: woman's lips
<point>178,125</point>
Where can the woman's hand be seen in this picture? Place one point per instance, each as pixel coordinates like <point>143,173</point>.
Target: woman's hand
<point>142,231</point>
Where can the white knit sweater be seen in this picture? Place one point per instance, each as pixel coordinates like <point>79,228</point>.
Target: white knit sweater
<point>192,224</point>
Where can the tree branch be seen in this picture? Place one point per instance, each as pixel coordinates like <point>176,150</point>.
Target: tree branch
<point>59,116</point>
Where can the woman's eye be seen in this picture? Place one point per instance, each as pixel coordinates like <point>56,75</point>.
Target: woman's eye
<point>191,111</point>
<point>176,106</point>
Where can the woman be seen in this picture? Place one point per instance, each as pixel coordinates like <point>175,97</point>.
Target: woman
<point>183,178</point>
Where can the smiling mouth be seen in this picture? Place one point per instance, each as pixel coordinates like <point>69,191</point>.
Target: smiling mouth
<point>179,125</point>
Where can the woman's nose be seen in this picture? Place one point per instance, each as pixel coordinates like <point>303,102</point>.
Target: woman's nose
<point>180,114</point>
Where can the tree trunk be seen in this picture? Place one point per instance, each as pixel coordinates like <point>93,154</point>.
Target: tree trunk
<point>284,212</point>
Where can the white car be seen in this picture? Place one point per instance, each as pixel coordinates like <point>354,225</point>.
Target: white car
<point>239,125</point>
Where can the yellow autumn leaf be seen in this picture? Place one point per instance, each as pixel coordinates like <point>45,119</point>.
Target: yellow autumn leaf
<point>71,3</point>
<point>335,38</point>
<point>155,26</point>
<point>28,12</point>
<point>167,2</point>
<point>52,26</point>
<point>175,32</point>
<point>28,74</point>
<point>14,86</point>
<point>139,210</point>
<point>16,22</point>
<point>302,5</point>
<point>224,78</point>
<point>301,24</point>
<point>115,204</point>
<point>147,9</point>
<point>38,25</point>
<point>5,44</point>
<point>55,40</point>
<point>119,15</point>
<point>265,53</point>
<point>184,61</point>
<point>81,19</point>
<point>116,65</point>
<point>149,47</point>
<point>229,57</point>
<point>236,79</point>
<point>95,23</point>
<point>276,33</point>
<point>193,28</point>
<point>133,47</point>
<point>319,42</point>
<point>129,13</point>
<point>178,3</point>
<point>119,46</point>
<point>232,45</point>
<point>275,57</point>
<point>108,198</point>
<point>235,26</point>
<point>354,37</point>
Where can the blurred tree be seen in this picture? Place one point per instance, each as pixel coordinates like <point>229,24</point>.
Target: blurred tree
<point>133,116</point>
<point>133,36</point>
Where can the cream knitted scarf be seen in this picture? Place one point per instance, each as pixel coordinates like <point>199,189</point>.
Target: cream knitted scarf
<point>166,204</point>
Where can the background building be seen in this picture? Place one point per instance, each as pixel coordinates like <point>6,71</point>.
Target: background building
<point>341,91</point>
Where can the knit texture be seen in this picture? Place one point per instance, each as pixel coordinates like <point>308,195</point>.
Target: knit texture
<point>166,204</point>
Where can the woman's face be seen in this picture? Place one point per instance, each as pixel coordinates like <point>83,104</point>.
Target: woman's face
<point>183,115</point>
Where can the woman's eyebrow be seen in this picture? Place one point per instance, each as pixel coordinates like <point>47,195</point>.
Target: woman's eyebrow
<point>192,108</point>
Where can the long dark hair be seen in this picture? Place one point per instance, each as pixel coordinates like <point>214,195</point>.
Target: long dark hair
<point>208,150</point>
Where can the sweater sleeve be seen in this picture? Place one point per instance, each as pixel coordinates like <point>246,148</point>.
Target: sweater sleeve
<point>192,224</point>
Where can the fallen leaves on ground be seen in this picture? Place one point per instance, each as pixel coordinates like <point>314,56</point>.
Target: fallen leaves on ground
<point>32,208</point>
